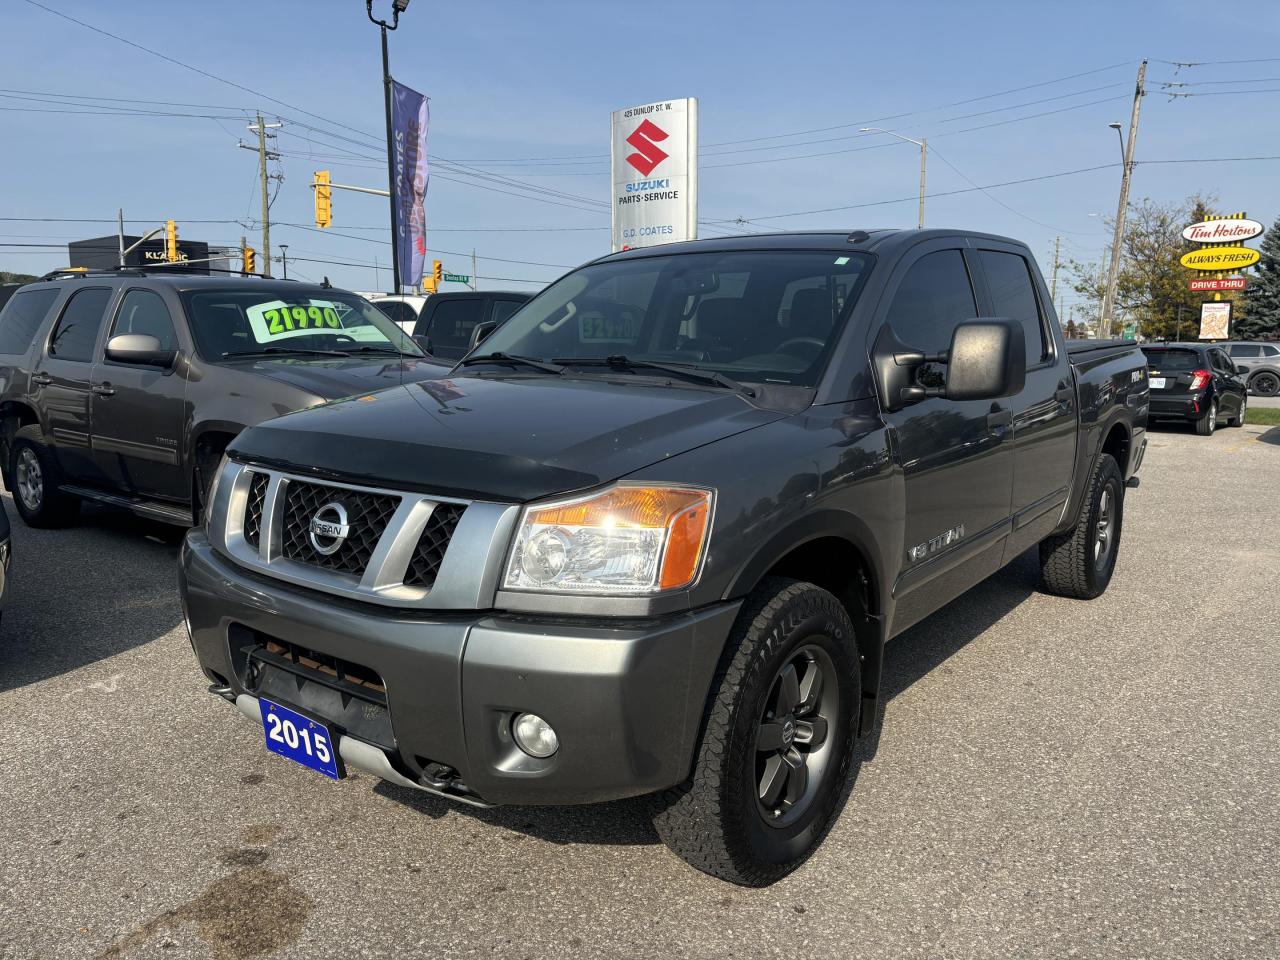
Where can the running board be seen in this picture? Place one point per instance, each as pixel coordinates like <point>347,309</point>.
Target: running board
<point>143,508</point>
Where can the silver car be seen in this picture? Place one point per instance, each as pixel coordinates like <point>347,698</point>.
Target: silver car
<point>1263,363</point>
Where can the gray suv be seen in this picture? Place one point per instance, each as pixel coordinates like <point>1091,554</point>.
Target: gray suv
<point>125,386</point>
<point>1262,360</point>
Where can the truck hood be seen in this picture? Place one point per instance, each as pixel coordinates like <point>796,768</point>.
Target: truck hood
<point>510,439</point>
<point>333,379</point>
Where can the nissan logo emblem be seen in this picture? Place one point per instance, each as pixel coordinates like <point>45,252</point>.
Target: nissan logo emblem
<point>328,528</point>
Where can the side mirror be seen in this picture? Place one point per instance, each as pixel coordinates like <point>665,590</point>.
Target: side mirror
<point>987,360</point>
<point>139,348</point>
<point>424,342</point>
<point>1241,369</point>
<point>480,331</point>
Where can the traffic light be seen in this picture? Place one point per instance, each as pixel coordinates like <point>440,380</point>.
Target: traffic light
<point>429,285</point>
<point>437,271</point>
<point>250,260</point>
<point>324,199</point>
<point>171,241</point>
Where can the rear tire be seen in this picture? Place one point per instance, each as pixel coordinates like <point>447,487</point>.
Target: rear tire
<point>1209,422</point>
<point>1238,419</point>
<point>1080,562</point>
<point>777,741</point>
<point>1265,384</point>
<point>35,479</point>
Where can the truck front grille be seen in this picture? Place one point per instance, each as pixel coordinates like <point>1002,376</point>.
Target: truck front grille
<point>429,553</point>
<point>367,518</point>
<point>253,512</point>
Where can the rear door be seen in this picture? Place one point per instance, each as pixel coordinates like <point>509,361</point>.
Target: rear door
<point>62,380</point>
<point>1231,388</point>
<point>955,456</point>
<point>139,411</point>
<point>1044,414</point>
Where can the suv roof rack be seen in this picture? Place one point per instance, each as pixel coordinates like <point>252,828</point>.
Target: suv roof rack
<point>140,271</point>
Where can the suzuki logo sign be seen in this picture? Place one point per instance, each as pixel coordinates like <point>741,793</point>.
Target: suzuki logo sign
<point>648,154</point>
<point>655,207</point>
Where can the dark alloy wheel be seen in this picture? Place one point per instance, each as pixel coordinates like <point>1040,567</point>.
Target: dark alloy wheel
<point>1265,384</point>
<point>792,747</point>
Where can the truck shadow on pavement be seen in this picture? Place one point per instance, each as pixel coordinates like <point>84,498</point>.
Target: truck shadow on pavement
<point>1272,437</point>
<point>909,657</point>
<point>85,593</point>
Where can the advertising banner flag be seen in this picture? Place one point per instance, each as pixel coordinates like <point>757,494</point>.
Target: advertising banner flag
<point>410,116</point>
<point>655,173</point>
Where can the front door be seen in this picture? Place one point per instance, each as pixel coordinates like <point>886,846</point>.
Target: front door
<point>1044,414</point>
<point>957,466</point>
<point>63,379</point>
<point>139,411</point>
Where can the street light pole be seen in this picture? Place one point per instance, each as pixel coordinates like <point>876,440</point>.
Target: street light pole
<point>397,7</point>
<point>924,149</point>
<point>1113,273</point>
<point>284,259</point>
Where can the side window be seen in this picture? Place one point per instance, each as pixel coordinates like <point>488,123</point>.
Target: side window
<point>503,309</point>
<point>142,311</point>
<point>77,330</point>
<point>22,317</point>
<point>452,323</point>
<point>1245,350</point>
<point>1227,365</point>
<point>1013,295</point>
<point>399,311</point>
<point>933,299</point>
<point>1270,351</point>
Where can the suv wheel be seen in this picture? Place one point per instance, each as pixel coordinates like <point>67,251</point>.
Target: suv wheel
<point>1080,562</point>
<point>777,741</point>
<point>1209,422</point>
<point>1265,384</point>
<point>36,480</point>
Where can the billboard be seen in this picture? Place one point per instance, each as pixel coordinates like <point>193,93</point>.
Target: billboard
<point>654,148</point>
<point>1215,320</point>
<point>410,117</point>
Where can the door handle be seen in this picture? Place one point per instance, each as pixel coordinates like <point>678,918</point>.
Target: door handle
<point>1064,393</point>
<point>104,390</point>
<point>41,379</point>
<point>999,418</point>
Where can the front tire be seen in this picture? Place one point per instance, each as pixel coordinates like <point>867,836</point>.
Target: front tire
<point>36,479</point>
<point>1080,562</point>
<point>1238,419</point>
<point>1265,384</point>
<point>1209,422</point>
<point>777,741</point>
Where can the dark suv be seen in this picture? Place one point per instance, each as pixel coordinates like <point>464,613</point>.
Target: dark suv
<point>1196,382</point>
<point>126,386</point>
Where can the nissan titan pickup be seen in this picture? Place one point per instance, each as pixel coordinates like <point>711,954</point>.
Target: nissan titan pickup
<point>651,536</point>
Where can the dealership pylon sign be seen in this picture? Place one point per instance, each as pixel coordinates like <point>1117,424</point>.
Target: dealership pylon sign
<point>655,173</point>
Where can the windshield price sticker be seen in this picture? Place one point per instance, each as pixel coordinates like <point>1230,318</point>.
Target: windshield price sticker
<point>600,329</point>
<point>275,319</point>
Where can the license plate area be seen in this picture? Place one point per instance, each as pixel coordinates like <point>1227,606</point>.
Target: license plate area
<point>1157,383</point>
<point>303,740</point>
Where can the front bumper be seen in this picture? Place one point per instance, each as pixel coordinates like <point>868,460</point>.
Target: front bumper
<point>626,697</point>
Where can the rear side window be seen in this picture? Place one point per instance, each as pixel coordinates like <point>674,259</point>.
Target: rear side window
<point>1174,361</point>
<point>77,330</point>
<point>934,298</point>
<point>144,312</point>
<point>399,311</point>
<point>22,317</point>
<point>1013,295</point>
<point>451,325</point>
<point>1245,350</point>
<point>1270,351</point>
<point>504,308</point>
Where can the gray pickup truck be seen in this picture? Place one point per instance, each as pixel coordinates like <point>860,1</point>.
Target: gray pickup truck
<point>125,386</point>
<point>652,535</point>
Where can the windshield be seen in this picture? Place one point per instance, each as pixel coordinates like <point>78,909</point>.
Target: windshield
<point>231,322</point>
<point>1174,361</point>
<point>762,316</point>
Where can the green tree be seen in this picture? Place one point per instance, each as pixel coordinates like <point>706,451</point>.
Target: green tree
<point>1261,320</point>
<point>7,277</point>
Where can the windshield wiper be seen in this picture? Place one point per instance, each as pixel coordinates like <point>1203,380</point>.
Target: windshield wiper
<point>387,350</point>
<point>282,351</point>
<point>622,362</point>
<point>512,360</point>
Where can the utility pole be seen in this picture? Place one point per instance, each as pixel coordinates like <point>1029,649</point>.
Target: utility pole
<point>263,156</point>
<point>1053,284</point>
<point>1113,273</point>
<point>924,149</point>
<point>120,232</point>
<point>244,243</point>
<point>397,7</point>
<point>475,280</point>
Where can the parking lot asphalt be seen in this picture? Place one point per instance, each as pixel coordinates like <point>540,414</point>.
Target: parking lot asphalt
<point>1052,778</point>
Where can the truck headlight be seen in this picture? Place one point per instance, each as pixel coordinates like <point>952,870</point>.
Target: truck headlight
<point>626,540</point>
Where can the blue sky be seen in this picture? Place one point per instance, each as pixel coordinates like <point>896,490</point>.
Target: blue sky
<point>513,82</point>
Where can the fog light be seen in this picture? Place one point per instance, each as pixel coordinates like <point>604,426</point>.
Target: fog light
<point>534,735</point>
